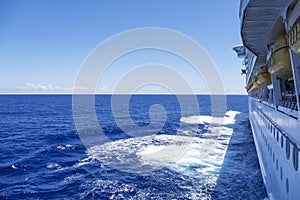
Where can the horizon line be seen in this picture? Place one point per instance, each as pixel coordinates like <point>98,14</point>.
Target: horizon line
<point>120,94</point>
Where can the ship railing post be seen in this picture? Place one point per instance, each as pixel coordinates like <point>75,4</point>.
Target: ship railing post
<point>295,61</point>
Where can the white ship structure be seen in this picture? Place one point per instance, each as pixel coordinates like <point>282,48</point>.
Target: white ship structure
<point>270,31</point>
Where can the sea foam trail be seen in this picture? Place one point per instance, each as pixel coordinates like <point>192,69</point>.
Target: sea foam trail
<point>229,118</point>
<point>186,154</point>
<point>196,160</point>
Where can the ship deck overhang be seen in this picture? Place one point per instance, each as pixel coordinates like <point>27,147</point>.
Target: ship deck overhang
<point>258,18</point>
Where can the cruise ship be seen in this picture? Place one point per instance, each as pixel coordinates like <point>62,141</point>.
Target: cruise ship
<point>270,32</point>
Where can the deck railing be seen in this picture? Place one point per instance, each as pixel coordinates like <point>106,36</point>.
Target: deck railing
<point>289,104</point>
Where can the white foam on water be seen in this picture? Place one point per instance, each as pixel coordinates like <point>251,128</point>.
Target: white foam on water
<point>53,166</point>
<point>134,154</point>
<point>84,161</point>
<point>63,147</point>
<point>184,153</point>
<point>165,155</point>
<point>191,154</point>
<point>72,177</point>
<point>114,188</point>
<point>204,119</point>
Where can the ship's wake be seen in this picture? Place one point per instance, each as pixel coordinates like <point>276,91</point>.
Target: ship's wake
<point>195,163</point>
<point>190,152</point>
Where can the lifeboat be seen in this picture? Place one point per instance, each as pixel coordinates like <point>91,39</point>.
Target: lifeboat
<point>293,37</point>
<point>263,76</point>
<point>280,64</point>
<point>250,83</point>
<point>255,85</point>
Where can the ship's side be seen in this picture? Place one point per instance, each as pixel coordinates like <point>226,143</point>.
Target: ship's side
<point>270,31</point>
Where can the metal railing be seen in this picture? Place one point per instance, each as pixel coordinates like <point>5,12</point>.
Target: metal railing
<point>289,105</point>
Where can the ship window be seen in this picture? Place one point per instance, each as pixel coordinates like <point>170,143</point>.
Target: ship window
<point>287,185</point>
<point>273,157</point>
<point>270,127</point>
<point>277,163</point>
<point>277,135</point>
<point>281,173</point>
<point>273,131</point>
<point>287,148</point>
<point>281,141</point>
<point>295,158</point>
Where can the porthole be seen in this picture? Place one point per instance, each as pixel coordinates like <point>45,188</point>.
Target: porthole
<point>295,158</point>
<point>287,185</point>
<point>281,173</point>
<point>287,148</point>
<point>281,141</point>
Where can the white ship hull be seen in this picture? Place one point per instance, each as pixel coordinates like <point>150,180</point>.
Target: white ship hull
<point>270,31</point>
<point>278,157</point>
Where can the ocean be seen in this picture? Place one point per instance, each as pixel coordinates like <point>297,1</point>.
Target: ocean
<point>188,156</point>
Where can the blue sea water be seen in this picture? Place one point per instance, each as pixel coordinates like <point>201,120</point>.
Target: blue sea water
<point>43,157</point>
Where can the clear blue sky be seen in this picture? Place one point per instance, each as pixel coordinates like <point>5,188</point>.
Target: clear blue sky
<point>44,42</point>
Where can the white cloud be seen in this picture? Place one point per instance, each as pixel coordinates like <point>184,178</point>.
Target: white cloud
<point>86,90</point>
<point>38,88</point>
<point>102,89</point>
<point>33,88</point>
